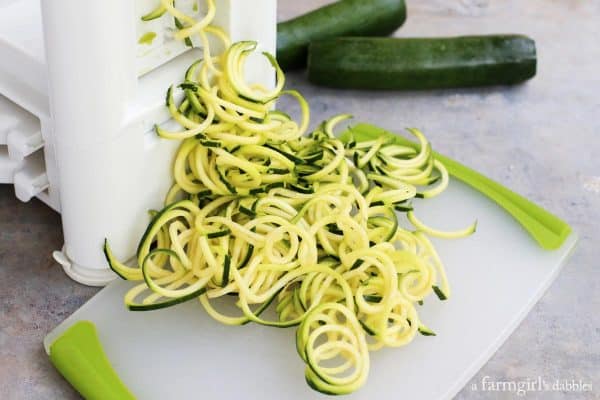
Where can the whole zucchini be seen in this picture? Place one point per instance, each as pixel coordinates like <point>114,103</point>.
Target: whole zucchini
<point>422,63</point>
<point>343,18</point>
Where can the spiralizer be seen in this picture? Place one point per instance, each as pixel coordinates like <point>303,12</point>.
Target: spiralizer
<point>83,83</point>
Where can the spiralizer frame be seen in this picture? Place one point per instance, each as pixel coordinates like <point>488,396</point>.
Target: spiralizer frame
<point>97,89</point>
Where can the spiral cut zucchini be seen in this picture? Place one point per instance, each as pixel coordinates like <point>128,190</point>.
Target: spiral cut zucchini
<point>303,225</point>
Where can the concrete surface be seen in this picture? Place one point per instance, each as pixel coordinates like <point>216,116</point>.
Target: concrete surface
<point>541,139</point>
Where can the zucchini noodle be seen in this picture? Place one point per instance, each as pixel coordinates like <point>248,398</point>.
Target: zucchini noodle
<point>303,225</point>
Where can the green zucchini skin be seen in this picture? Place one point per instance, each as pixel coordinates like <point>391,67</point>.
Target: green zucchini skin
<point>343,18</point>
<point>422,63</point>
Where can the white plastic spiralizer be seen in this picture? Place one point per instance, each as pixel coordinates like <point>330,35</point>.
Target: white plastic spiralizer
<point>81,85</point>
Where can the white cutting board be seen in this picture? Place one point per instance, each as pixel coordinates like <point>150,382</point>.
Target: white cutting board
<point>497,276</point>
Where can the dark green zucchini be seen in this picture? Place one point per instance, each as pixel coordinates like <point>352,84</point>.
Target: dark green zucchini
<point>343,18</point>
<point>422,63</point>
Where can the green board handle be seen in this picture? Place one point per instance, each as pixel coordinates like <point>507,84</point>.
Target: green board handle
<point>79,357</point>
<point>549,231</point>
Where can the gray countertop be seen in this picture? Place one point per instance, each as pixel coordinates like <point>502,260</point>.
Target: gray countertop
<point>541,139</point>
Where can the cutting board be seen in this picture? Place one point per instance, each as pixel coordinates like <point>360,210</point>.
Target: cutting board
<point>497,275</point>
